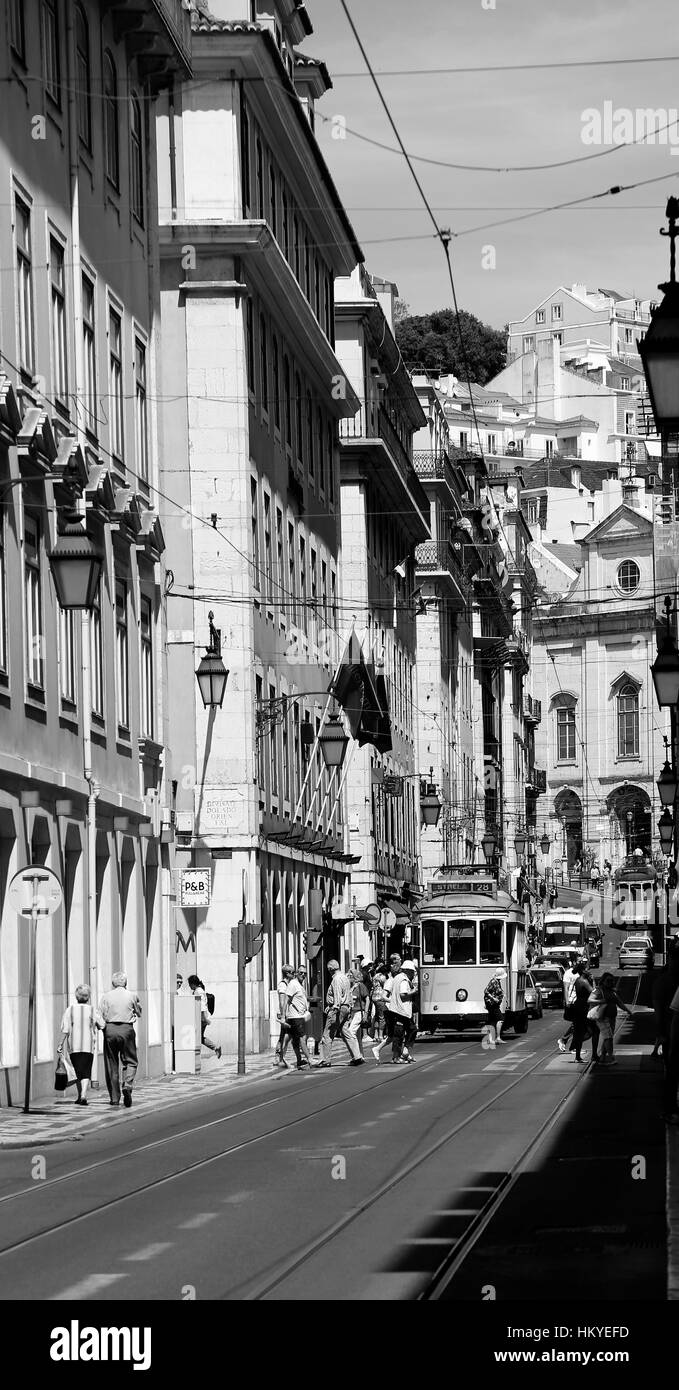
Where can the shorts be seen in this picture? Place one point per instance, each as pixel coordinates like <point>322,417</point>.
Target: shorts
<point>495,1014</point>
<point>82,1065</point>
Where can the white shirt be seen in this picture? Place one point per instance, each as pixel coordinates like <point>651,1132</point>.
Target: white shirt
<point>296,1000</point>
<point>399,1001</point>
<point>569,986</point>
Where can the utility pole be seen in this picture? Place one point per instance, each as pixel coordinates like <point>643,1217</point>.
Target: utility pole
<point>247,940</point>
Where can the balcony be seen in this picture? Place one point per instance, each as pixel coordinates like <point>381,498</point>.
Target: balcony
<point>361,427</point>
<point>159,38</point>
<point>441,560</point>
<point>536,782</point>
<point>370,442</point>
<point>532,710</point>
<point>518,649</point>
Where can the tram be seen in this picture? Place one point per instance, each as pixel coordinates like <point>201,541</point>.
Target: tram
<point>635,896</point>
<point>467,929</point>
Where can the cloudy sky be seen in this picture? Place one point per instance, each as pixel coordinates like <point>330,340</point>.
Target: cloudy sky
<point>526,116</point>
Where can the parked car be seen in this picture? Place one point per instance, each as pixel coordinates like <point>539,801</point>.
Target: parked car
<point>636,951</point>
<point>532,997</point>
<point>549,982</point>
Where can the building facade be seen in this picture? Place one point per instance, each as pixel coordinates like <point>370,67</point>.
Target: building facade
<point>81,711</point>
<point>253,235</point>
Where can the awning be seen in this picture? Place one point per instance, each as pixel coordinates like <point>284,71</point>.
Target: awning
<point>399,909</point>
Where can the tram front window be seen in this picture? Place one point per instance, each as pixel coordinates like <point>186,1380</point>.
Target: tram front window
<point>461,943</point>
<point>491,941</point>
<point>432,943</point>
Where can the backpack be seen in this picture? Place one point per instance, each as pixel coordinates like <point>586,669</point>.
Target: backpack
<point>210,1001</point>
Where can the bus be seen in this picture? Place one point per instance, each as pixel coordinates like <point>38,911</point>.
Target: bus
<point>467,928</point>
<point>564,934</point>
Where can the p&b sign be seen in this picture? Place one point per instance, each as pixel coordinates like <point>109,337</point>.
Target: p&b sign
<point>195,887</point>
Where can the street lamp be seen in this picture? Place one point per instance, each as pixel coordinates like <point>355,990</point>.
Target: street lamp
<point>545,842</point>
<point>667,781</point>
<point>76,564</point>
<point>659,348</point>
<point>666,829</point>
<point>212,674</point>
<point>333,742</point>
<point>489,844</point>
<point>520,841</point>
<point>665,668</point>
<point>430,803</point>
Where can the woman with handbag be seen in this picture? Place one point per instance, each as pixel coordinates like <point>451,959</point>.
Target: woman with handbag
<point>78,1031</point>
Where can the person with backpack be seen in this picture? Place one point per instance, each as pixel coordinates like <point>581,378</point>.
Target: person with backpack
<point>495,1004</point>
<point>207,1008</point>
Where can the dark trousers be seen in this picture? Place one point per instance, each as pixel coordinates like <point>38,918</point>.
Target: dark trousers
<point>120,1046</point>
<point>583,1028</point>
<point>398,1035</point>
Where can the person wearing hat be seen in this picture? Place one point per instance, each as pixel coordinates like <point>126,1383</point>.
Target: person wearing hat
<point>495,1004</point>
<point>337,1014</point>
<point>399,1011</point>
<point>409,968</point>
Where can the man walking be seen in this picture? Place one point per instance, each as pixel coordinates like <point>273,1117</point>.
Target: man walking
<point>568,1001</point>
<point>338,1011</point>
<point>120,1009</point>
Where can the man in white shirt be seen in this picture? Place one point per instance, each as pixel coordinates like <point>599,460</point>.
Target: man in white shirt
<point>569,979</point>
<point>295,1011</point>
<point>399,1005</point>
<point>338,1012</point>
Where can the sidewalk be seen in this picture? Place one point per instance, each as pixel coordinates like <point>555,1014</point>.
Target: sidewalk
<point>57,1119</point>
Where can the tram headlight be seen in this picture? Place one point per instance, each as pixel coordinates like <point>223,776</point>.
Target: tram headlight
<point>425,977</point>
<point>461,995</point>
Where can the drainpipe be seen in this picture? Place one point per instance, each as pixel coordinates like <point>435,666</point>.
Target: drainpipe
<point>85,650</point>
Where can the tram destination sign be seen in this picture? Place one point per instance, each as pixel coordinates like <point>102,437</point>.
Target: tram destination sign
<point>195,887</point>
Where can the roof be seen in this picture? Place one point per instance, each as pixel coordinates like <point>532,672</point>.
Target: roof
<point>556,473</point>
<point>569,555</point>
<point>611,294</point>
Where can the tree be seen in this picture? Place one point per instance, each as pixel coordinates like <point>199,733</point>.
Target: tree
<point>401,311</point>
<point>432,341</point>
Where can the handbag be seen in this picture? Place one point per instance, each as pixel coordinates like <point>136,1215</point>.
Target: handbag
<point>64,1075</point>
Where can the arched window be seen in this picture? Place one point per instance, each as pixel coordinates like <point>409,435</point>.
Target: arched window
<point>629,576</point>
<point>628,722</point>
<point>137,158</point>
<point>111,120</point>
<point>83,77</point>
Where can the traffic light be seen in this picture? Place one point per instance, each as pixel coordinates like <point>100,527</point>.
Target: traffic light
<point>313,941</point>
<point>254,940</point>
<point>313,938</point>
<point>304,941</point>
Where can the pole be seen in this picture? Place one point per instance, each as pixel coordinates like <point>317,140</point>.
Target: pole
<point>241,998</point>
<point>35,879</point>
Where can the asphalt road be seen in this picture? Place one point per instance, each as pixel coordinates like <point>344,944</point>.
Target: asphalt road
<point>360,1184</point>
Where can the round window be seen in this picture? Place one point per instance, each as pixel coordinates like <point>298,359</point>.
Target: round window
<point>629,575</point>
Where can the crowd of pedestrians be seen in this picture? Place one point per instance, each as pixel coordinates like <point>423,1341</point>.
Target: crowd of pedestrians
<point>370,999</point>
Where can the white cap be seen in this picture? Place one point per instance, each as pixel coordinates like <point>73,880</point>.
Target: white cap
<point>409,965</point>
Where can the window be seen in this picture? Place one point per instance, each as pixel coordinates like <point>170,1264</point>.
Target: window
<point>492,443</point>
<point>464,439</point>
<point>532,510</point>
<point>67,658</point>
<point>298,250</point>
<point>250,345</point>
<point>146,654</point>
<point>83,80</point>
<point>310,436</point>
<point>286,223</point>
<point>549,448</point>
<point>317,288</point>
<point>320,449</point>
<point>557,312</point>
<point>140,411</point>
<point>629,576</point>
<point>565,735</point>
<point>331,464</point>
<point>432,942</point>
<point>58,315</point>
<point>285,751</point>
<point>33,603</point>
<point>624,383</point>
<point>275,359</point>
<point>122,662</point>
<point>273,751</point>
<point>298,414</point>
<point>628,722</point>
<point>49,25</point>
<point>268,552</point>
<point>280,576</point>
<point>490,941</point>
<point>302,576</point>
<point>528,343</point>
<point>254,529</point>
<point>288,402</point>
<point>558,338</point>
<point>629,335</point>
<point>259,742</point>
<point>539,316</point>
<point>461,943</point>
<point>137,158</point>
<point>17,33</point>
<point>245,157</point>
<point>115,382</point>
<point>89,354</point>
<point>327,312</point>
<point>97,660</point>
<point>273,201</point>
<point>264,362</point>
<point>324,591</point>
<point>24,288</point>
<point>259,175</point>
<point>307,269</point>
<point>111,151</point>
<point>292,576</point>
<point>3,594</point>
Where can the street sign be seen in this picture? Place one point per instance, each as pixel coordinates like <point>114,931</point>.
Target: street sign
<point>388,919</point>
<point>46,898</point>
<point>392,786</point>
<point>194,888</point>
<point>372,915</point>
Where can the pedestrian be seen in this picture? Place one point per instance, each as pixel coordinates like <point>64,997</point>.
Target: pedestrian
<point>553,897</point>
<point>120,1008</point>
<point>569,980</point>
<point>389,1016</point>
<point>582,1027</point>
<point>79,1033</point>
<point>399,1006</point>
<point>409,969</point>
<point>359,998</point>
<point>594,876</point>
<point>495,1004</point>
<point>378,998</point>
<point>297,1013</point>
<point>200,993</point>
<point>604,1016</point>
<point>337,1014</point>
<point>284,1035</point>
<point>608,870</point>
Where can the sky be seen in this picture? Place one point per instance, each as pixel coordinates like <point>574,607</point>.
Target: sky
<point>528,116</point>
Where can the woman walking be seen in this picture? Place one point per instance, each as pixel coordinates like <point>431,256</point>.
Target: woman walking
<point>200,993</point>
<point>606,1018</point>
<point>495,1004</point>
<point>79,1031</point>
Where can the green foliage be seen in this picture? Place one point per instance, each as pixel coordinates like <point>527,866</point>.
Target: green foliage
<point>432,341</point>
